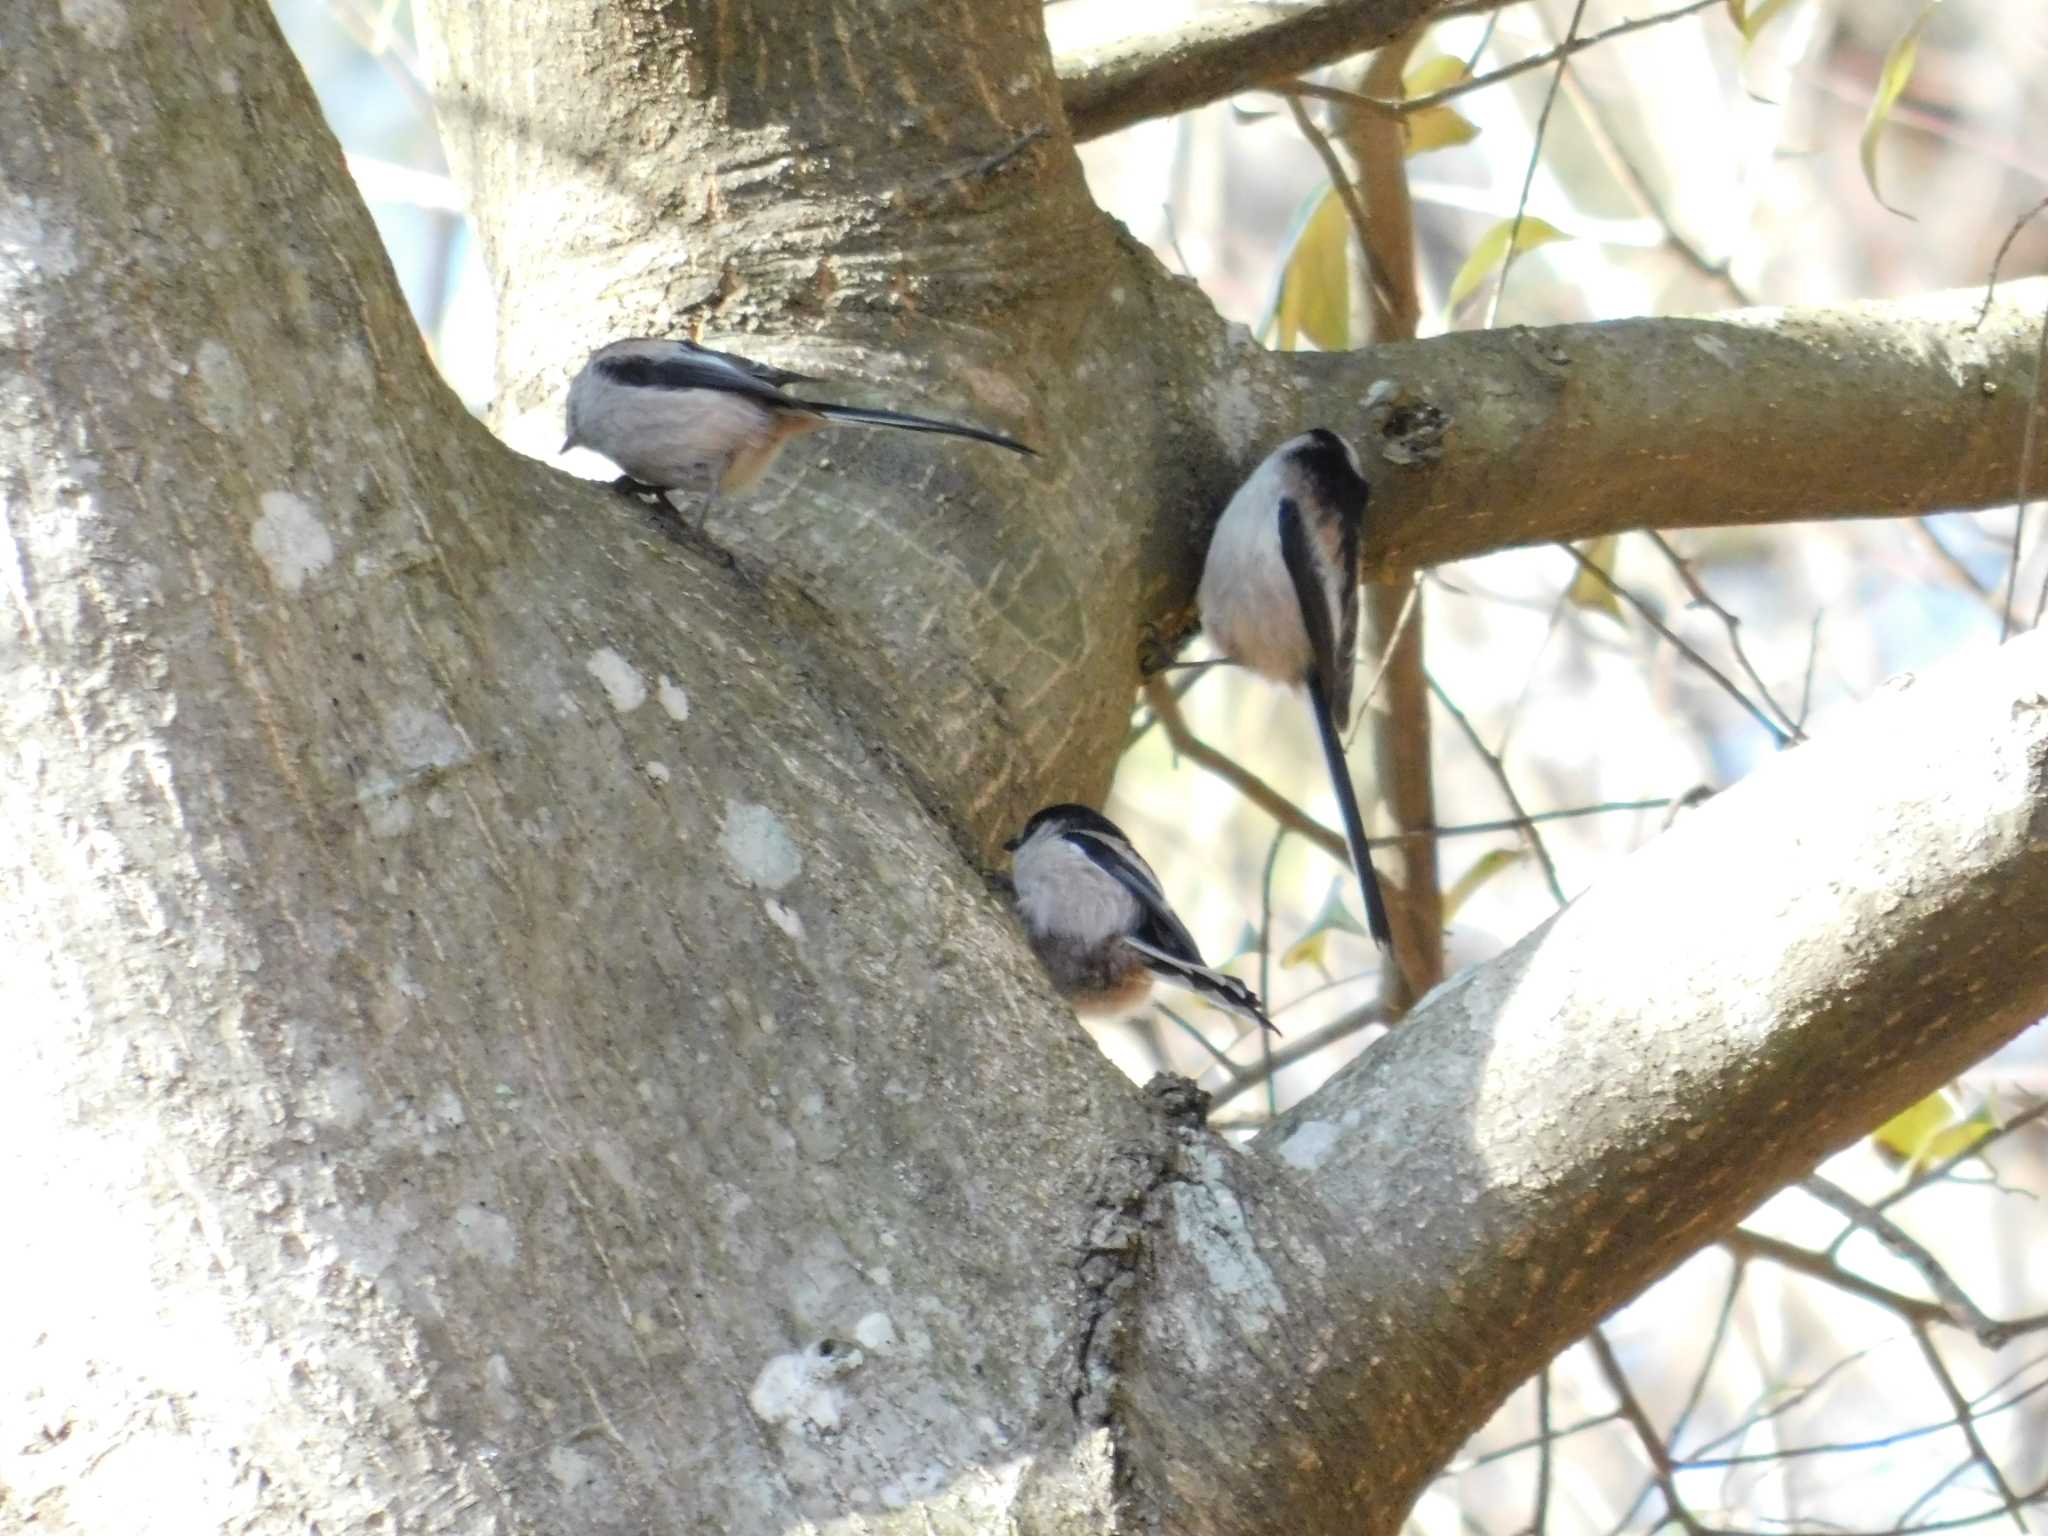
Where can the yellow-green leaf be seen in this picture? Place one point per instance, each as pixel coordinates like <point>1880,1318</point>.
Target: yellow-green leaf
<point>1589,591</point>
<point>1490,863</point>
<point>1753,22</point>
<point>1312,947</point>
<point>1907,1133</point>
<point>1931,1131</point>
<point>1315,293</point>
<point>1735,14</point>
<point>1435,127</point>
<point>1891,83</point>
<point>1492,250</point>
<point>1438,72</point>
<point>1959,1137</point>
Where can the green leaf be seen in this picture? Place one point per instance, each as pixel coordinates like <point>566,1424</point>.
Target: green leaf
<point>1492,250</point>
<point>1589,591</point>
<point>1891,84</point>
<point>1311,947</point>
<point>1490,863</point>
<point>1315,293</point>
<point>1435,127</point>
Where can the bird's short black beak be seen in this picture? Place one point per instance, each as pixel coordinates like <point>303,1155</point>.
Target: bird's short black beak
<point>1012,845</point>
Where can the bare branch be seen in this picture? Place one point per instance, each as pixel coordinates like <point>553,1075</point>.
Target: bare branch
<point>1818,1266</point>
<point>1654,1449</point>
<point>1967,1423</point>
<point>1388,106</point>
<point>1522,819</point>
<point>1240,778</point>
<point>1592,568</point>
<point>1221,52</point>
<point>1757,416</point>
<point>1507,259</point>
<point>1729,622</point>
<point>1955,1303</point>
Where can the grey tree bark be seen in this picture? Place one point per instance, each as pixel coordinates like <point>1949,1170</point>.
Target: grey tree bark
<point>512,1032</point>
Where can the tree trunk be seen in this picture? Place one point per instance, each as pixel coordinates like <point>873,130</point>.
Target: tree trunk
<point>515,1035</point>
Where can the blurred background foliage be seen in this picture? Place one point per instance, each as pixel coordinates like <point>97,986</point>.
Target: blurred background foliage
<point>1837,1364</point>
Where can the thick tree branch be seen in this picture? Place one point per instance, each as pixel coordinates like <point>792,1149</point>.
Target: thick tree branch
<point>1491,439</point>
<point>1219,52</point>
<point>1840,932</point>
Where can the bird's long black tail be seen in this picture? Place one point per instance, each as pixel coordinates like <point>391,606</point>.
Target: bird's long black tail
<point>1347,803</point>
<point>1219,987</point>
<point>861,415</point>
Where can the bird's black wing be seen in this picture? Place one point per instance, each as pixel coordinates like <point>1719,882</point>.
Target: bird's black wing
<point>1313,597</point>
<point>1158,927</point>
<point>1169,949</point>
<point>698,368</point>
<point>1323,697</point>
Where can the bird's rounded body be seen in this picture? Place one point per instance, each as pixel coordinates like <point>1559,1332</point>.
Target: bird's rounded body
<point>1094,912</point>
<point>677,416</point>
<point>1246,597</point>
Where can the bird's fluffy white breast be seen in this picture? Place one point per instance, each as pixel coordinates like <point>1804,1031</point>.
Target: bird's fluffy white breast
<point>1060,890</point>
<point>1249,608</point>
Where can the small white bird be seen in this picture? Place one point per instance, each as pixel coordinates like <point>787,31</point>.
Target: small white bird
<point>1096,915</point>
<point>677,416</point>
<point>1279,595</point>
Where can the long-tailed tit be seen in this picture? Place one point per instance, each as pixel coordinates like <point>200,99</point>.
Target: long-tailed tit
<point>677,416</point>
<point>1098,919</point>
<point>1279,595</point>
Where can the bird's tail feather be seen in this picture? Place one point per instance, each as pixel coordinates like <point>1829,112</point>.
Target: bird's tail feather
<point>1354,823</point>
<point>1227,992</point>
<point>863,416</point>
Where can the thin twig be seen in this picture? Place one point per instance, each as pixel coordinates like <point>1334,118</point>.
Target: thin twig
<point>1722,1320</point>
<point>1954,1301</point>
<point>1521,823</point>
<point>1832,1447</point>
<point>1705,599</point>
<point>1949,560</point>
<point>1517,1447</point>
<point>1507,258</point>
<point>1967,1423</point>
<point>1499,771</point>
<point>1266,1074</point>
<point>1387,652</point>
<point>1387,107</point>
<point>1539,1520</point>
<point>1347,194</point>
<point>1195,670</point>
<point>1812,661</point>
<point>1166,709</point>
<point>1646,1433</point>
<point>1746,1244</point>
<point>1720,677</point>
<point>1991,282</point>
<point>1342,1027</point>
<point>1638,187</point>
